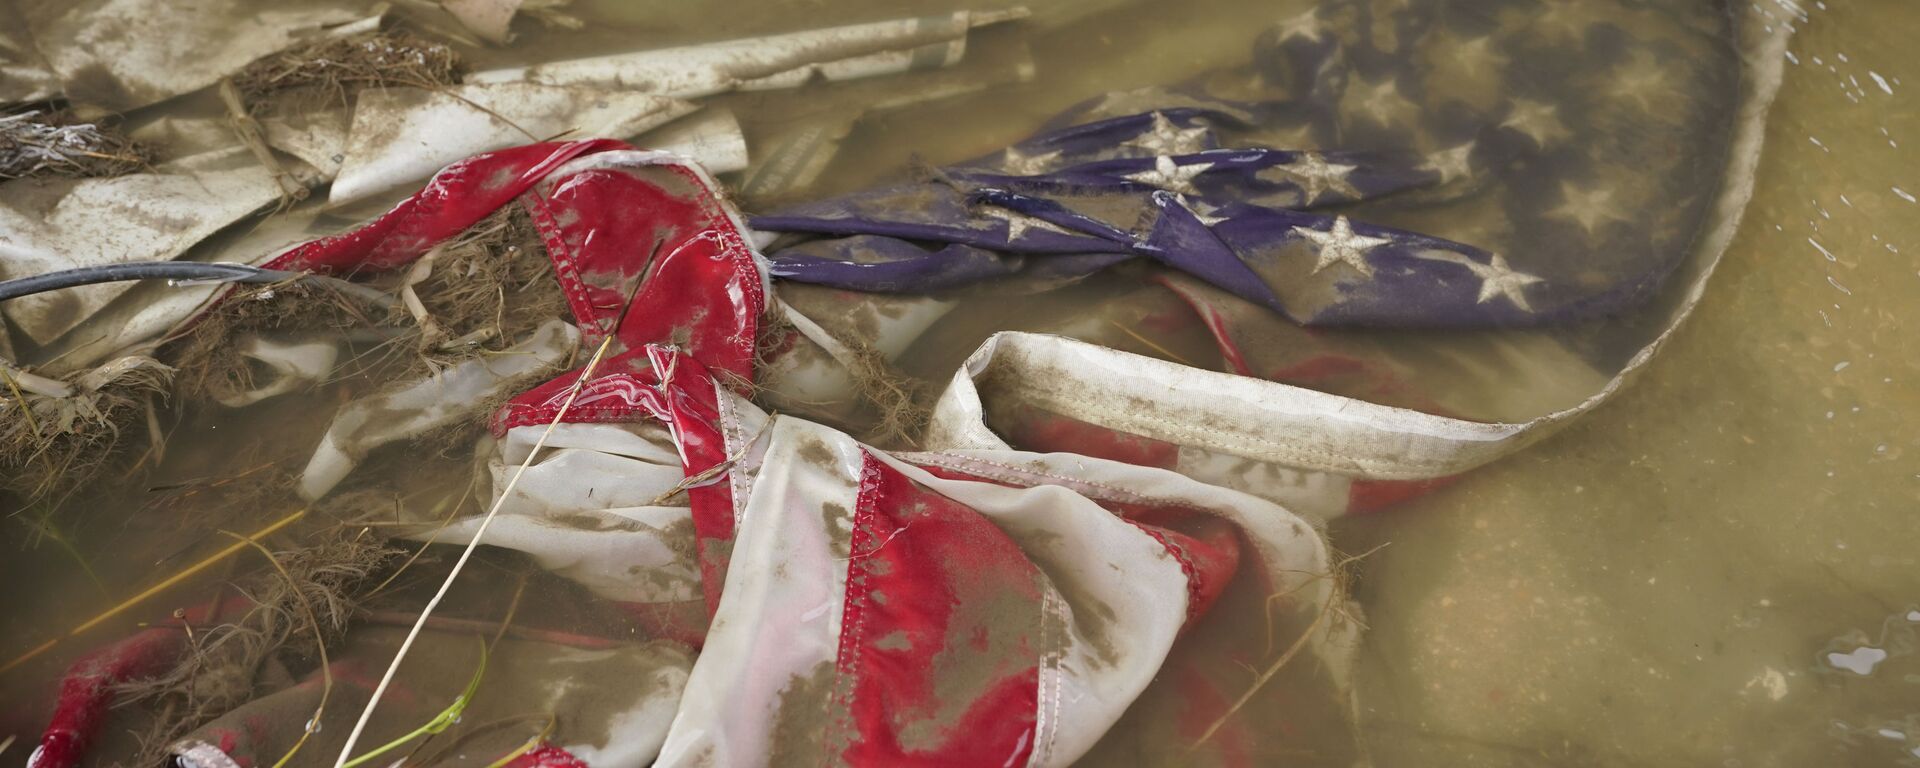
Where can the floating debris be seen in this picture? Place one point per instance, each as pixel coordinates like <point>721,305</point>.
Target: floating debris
<point>492,20</point>
<point>45,143</point>
<point>57,434</point>
<point>223,664</point>
<point>483,290</point>
<point>343,66</point>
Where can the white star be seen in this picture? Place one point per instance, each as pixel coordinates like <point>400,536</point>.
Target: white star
<point>1341,245</point>
<point>1018,223</point>
<point>1538,121</point>
<point>1568,19</point>
<point>1475,57</point>
<point>1171,176</point>
<point>1590,208</point>
<point>1207,219</point>
<point>1019,163</point>
<point>1381,102</point>
<point>1642,81</point>
<point>1305,25</point>
<point>1314,176</point>
<point>1165,138</point>
<point>1496,278</point>
<point>1451,164</point>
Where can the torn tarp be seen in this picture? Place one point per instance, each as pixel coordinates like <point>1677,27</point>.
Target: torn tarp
<point>777,61</point>
<point>66,223</point>
<point>123,54</point>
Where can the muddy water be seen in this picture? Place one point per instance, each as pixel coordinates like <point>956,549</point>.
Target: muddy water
<point>1701,573</point>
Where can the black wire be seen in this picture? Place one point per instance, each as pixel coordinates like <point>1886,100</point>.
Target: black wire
<point>139,270</point>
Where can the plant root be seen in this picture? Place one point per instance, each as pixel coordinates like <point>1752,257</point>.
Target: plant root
<point>50,143</point>
<point>344,66</point>
<point>51,444</point>
<point>319,583</point>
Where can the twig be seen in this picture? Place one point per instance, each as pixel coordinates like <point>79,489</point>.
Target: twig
<point>476,626</point>
<point>472,544</point>
<point>526,746</point>
<point>155,589</point>
<point>1150,344</point>
<point>1267,675</point>
<point>319,643</point>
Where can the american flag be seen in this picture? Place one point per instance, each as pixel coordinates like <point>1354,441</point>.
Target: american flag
<point>1375,164</point>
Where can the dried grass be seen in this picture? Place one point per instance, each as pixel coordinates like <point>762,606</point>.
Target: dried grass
<point>483,290</point>
<point>211,365</point>
<point>342,67</point>
<point>896,399</point>
<point>51,444</point>
<point>317,583</point>
<point>49,143</point>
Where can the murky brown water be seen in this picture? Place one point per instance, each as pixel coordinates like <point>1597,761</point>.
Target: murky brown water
<point>1687,577</point>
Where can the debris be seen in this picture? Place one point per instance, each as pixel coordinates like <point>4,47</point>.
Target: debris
<point>211,364</point>
<point>492,19</point>
<point>150,310</point>
<point>483,290</point>
<point>52,442</point>
<point>441,400</point>
<point>340,68</point>
<point>775,61</point>
<point>254,139</point>
<point>314,592</point>
<point>146,594</point>
<point>42,143</point>
<point>403,135</point>
<point>152,216</point>
<point>124,54</point>
<point>24,77</point>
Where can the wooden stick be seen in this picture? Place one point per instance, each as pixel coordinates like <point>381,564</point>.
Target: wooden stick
<point>163,586</point>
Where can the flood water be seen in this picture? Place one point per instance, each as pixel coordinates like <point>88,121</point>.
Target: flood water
<point>1704,571</point>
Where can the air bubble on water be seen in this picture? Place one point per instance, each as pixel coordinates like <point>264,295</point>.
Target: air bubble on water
<point>313,725</point>
<point>1822,249</point>
<point>1859,661</point>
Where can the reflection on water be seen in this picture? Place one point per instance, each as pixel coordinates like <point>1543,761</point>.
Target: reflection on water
<point>1719,568</point>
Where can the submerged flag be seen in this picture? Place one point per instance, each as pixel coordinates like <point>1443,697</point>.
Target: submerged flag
<point>1377,164</point>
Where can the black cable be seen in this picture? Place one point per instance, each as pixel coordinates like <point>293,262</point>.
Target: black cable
<point>139,270</point>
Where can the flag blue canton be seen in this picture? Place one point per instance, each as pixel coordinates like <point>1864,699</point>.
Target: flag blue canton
<point>1374,164</point>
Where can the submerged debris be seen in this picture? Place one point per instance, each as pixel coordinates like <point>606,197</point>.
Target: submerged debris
<point>224,664</point>
<point>49,143</point>
<point>213,364</point>
<point>341,67</point>
<point>897,400</point>
<point>479,292</point>
<point>483,290</point>
<point>56,438</point>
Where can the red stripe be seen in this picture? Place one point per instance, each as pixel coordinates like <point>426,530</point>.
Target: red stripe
<point>942,633</point>
<point>455,198</point>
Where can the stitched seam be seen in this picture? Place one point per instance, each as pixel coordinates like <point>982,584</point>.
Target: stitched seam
<point>1055,617</point>
<point>736,438</point>
<point>1025,477</point>
<point>733,246</point>
<point>1180,556</point>
<point>566,268</point>
<point>853,616</point>
<point>1225,439</point>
